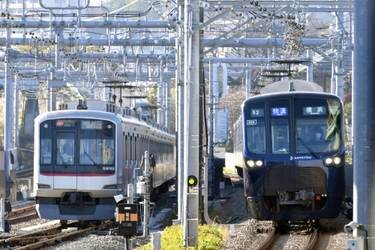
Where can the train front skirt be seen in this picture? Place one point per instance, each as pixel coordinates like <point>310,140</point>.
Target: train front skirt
<point>330,210</point>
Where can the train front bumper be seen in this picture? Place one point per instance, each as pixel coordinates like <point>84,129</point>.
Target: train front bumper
<point>330,210</point>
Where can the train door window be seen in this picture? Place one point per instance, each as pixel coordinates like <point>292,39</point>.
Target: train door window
<point>65,144</point>
<point>280,136</point>
<point>279,115</point>
<point>45,143</point>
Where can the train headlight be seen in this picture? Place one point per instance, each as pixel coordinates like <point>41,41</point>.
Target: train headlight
<point>259,163</point>
<point>254,163</point>
<point>251,163</point>
<point>337,160</point>
<point>328,161</point>
<point>333,161</point>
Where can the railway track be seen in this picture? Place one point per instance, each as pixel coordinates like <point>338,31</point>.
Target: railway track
<point>51,236</point>
<point>22,214</point>
<point>277,238</point>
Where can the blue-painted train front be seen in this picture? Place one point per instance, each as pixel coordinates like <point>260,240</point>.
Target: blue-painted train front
<point>293,155</point>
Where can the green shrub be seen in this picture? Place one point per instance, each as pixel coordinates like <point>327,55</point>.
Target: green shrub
<point>210,237</point>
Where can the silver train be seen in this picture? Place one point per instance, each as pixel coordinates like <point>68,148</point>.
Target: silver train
<point>89,153</point>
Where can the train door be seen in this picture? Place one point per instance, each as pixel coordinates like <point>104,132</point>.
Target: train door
<point>65,161</point>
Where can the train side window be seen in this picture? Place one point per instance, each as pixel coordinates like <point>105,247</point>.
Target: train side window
<point>147,144</point>
<point>131,151</point>
<point>135,150</point>
<point>126,150</point>
<point>143,147</point>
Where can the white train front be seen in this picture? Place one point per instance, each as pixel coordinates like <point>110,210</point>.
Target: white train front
<point>84,157</point>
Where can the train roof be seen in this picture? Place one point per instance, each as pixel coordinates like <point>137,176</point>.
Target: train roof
<point>100,110</point>
<point>69,113</point>
<point>287,85</point>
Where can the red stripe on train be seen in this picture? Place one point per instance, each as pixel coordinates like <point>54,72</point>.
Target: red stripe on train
<point>76,175</point>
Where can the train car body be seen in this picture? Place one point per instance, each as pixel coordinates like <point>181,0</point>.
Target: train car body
<point>289,146</point>
<point>84,157</point>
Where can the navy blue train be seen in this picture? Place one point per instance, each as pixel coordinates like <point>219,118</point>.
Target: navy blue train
<point>289,148</point>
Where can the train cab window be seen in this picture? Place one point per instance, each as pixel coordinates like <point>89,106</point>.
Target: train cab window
<point>97,143</point>
<point>109,149</point>
<point>65,148</point>
<point>45,151</point>
<point>254,129</point>
<point>318,126</point>
<point>255,141</point>
<point>45,147</point>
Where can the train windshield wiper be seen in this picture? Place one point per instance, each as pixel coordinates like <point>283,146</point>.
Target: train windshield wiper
<point>308,148</point>
<point>91,159</point>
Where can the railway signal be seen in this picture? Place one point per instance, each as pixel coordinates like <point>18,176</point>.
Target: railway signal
<point>192,181</point>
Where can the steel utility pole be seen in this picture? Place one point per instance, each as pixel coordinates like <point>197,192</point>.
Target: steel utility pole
<point>191,126</point>
<point>180,114</point>
<point>363,223</point>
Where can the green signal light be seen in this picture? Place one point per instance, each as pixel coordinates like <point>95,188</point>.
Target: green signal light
<point>192,181</point>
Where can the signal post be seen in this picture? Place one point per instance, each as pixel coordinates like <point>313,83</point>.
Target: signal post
<point>191,126</point>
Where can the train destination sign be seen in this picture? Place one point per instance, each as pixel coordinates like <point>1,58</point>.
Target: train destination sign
<point>282,111</point>
<point>315,110</point>
<point>91,124</point>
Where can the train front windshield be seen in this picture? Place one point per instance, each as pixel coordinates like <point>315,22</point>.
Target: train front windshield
<point>293,126</point>
<point>73,142</point>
